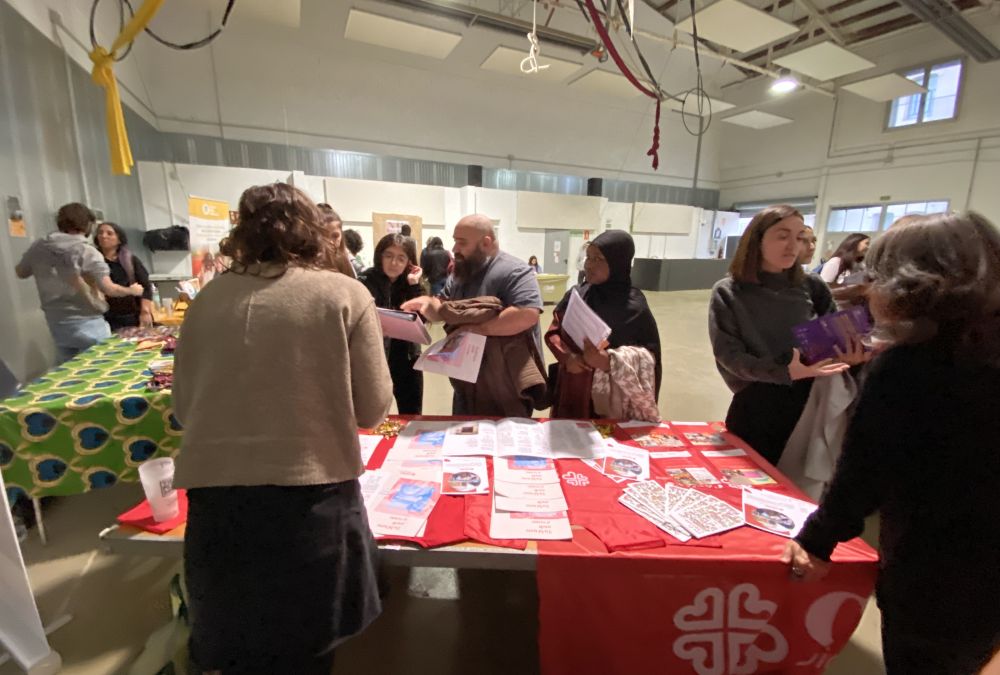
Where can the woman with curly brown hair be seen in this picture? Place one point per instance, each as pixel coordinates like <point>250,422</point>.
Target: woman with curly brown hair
<point>279,363</point>
<point>921,448</point>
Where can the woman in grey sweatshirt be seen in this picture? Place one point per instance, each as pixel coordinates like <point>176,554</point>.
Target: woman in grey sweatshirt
<point>750,322</point>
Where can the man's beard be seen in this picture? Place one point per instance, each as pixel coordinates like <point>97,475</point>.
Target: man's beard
<point>467,267</point>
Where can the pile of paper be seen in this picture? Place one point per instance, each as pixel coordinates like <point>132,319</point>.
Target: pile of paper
<point>400,496</point>
<point>555,439</point>
<point>528,501</point>
<point>681,512</point>
<point>580,323</point>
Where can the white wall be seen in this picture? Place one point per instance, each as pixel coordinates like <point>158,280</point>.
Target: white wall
<point>839,150</point>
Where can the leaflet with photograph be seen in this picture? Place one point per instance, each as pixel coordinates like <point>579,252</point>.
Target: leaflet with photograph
<point>401,325</point>
<point>699,433</point>
<point>420,440</point>
<point>402,509</point>
<point>477,437</point>
<point>580,321</point>
<point>626,462</point>
<point>651,436</point>
<point>525,470</point>
<point>775,513</point>
<point>458,355</point>
<point>465,476</point>
<point>692,476</point>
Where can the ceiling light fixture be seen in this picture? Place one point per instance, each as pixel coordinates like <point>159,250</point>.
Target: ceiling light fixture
<point>784,85</point>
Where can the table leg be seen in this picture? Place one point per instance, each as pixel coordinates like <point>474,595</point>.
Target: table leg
<point>39,523</point>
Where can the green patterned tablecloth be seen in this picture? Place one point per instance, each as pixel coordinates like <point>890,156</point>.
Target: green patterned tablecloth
<point>86,424</point>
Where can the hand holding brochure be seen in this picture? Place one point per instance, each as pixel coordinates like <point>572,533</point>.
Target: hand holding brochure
<point>818,338</point>
<point>406,326</point>
<point>580,322</point>
<point>459,356</point>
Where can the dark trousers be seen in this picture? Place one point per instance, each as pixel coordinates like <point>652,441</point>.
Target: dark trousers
<point>407,383</point>
<point>934,650</point>
<point>764,415</point>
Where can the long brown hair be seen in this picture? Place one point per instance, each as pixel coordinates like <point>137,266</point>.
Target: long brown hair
<point>338,258</point>
<point>940,276</point>
<point>747,262</point>
<point>278,224</point>
<point>848,251</point>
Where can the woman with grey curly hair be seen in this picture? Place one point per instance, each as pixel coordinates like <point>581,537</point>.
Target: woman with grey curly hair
<point>922,448</point>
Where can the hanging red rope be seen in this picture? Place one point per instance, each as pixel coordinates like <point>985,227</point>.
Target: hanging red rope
<point>609,45</point>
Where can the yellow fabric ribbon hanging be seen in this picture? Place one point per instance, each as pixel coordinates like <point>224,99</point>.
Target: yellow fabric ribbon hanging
<point>104,76</point>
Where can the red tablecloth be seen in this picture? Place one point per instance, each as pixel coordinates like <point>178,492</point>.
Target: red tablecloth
<point>711,610</point>
<point>623,597</point>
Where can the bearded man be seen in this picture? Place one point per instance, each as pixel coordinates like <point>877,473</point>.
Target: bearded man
<point>482,269</point>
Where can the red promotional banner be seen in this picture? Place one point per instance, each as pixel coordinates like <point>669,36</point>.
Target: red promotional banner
<point>711,613</point>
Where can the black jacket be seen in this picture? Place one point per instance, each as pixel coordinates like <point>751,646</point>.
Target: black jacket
<point>390,295</point>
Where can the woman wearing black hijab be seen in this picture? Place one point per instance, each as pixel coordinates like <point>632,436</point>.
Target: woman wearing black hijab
<point>609,292</point>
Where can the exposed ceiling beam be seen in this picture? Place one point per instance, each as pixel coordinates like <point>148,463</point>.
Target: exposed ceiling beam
<point>468,14</point>
<point>727,59</point>
<point>899,23</point>
<point>871,13</point>
<point>949,21</point>
<point>813,12</point>
<point>833,9</point>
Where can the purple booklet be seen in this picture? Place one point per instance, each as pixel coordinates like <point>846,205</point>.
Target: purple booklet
<point>817,338</point>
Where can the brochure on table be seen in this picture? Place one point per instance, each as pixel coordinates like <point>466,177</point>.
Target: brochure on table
<point>555,439</point>
<point>775,513</point>
<point>400,496</point>
<point>527,500</point>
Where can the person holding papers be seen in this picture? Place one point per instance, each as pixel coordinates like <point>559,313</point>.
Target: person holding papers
<point>279,364</point>
<point>482,270</point>
<point>750,321</point>
<point>394,279</point>
<point>922,449</point>
<point>609,293</point>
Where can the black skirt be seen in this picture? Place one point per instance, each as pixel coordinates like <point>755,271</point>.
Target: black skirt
<point>277,576</point>
<point>764,415</point>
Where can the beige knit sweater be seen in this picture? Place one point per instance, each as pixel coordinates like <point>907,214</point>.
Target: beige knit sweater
<point>274,373</point>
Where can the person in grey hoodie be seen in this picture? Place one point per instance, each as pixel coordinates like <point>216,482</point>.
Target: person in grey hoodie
<point>72,279</point>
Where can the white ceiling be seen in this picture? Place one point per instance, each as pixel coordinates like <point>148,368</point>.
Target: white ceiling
<point>824,61</point>
<point>738,26</point>
<point>405,36</point>
<point>508,61</point>
<point>884,87</point>
<point>605,83</point>
<point>757,119</point>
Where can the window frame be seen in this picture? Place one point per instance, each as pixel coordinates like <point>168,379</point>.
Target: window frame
<point>884,206</point>
<point>927,67</point>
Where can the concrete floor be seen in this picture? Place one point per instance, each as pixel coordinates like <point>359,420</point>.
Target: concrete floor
<point>117,601</point>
